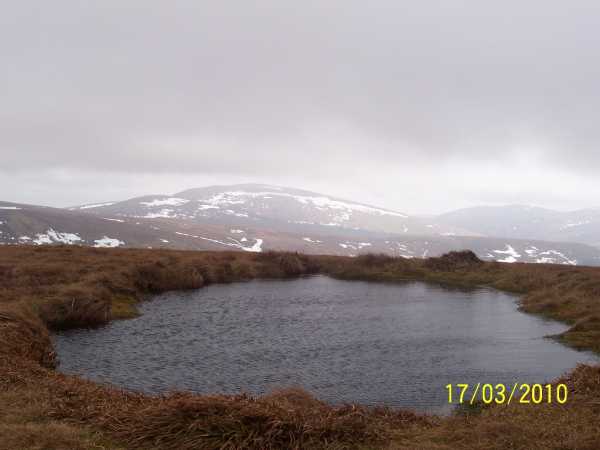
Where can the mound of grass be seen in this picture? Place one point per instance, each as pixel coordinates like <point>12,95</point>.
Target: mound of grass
<point>450,262</point>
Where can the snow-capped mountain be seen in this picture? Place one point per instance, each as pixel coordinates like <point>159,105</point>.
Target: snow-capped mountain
<point>38,225</point>
<point>273,207</point>
<point>256,218</point>
<point>527,222</point>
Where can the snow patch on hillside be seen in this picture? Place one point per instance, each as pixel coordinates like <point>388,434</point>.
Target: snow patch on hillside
<point>535,255</point>
<point>512,254</point>
<point>400,249</point>
<point>257,247</point>
<point>550,257</point>
<point>108,242</point>
<point>163,213</point>
<point>51,237</point>
<point>233,213</point>
<point>575,224</point>
<point>205,207</point>
<point>10,207</point>
<point>354,245</point>
<point>532,250</point>
<point>312,241</point>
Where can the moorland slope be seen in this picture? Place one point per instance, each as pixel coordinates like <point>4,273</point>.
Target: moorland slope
<point>46,288</point>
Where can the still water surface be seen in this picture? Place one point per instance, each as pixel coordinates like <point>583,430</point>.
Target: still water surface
<point>344,341</point>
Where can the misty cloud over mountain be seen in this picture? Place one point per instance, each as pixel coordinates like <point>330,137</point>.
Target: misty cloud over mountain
<point>466,102</point>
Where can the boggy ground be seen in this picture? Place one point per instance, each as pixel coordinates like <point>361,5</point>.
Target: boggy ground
<point>43,288</point>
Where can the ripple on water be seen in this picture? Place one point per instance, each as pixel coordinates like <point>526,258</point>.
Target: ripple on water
<point>370,343</point>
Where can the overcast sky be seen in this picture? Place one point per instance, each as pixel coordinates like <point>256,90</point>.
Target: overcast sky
<point>421,106</point>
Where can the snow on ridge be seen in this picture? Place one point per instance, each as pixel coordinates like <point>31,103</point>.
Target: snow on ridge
<point>107,242</point>
<point>114,220</point>
<point>10,207</point>
<point>97,205</point>
<point>171,201</point>
<point>239,197</point>
<point>326,202</point>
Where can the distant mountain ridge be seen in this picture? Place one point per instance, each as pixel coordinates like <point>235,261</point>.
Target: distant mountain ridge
<point>269,206</point>
<point>528,222</point>
<point>255,218</point>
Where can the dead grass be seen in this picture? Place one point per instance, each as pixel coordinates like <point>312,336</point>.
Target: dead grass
<point>574,426</point>
<point>61,287</point>
<point>25,424</point>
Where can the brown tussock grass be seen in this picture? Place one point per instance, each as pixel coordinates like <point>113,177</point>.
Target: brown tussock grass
<point>45,288</point>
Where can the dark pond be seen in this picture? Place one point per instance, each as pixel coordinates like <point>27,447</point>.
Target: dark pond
<point>370,343</point>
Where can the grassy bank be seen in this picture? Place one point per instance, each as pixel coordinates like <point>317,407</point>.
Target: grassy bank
<point>43,288</point>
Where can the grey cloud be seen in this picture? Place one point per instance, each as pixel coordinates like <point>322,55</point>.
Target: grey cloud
<point>268,88</point>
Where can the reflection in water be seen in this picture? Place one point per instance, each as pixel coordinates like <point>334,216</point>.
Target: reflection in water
<point>370,343</point>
